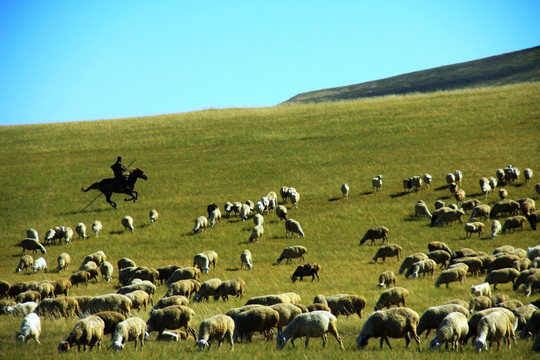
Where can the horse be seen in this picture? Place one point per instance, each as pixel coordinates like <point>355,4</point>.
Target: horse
<point>109,186</point>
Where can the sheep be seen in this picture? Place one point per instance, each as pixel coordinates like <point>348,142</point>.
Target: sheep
<point>480,211</point>
<point>125,263</point>
<point>201,223</point>
<point>513,223</point>
<point>287,312</point>
<point>450,217</point>
<point>376,182</point>
<point>292,252</point>
<point>30,329</point>
<point>474,227</point>
<point>522,277</point>
<point>201,262</point>
<point>170,301</point>
<point>230,287</point>
<point>139,298</point>
<point>503,261</point>
<point>417,183</point>
<point>281,212</point>
<point>261,319</point>
<point>186,287</point>
<point>511,174</point>
<point>521,264</point>
<point>26,262</point>
<point>39,265</point>
<point>87,332</point>
<point>439,204</point>
<point>469,205</point>
<point>437,214</point>
<point>433,316</point>
<point>437,245</point>
<point>4,288</point>
<point>16,288</point>
<point>451,275</point>
<point>531,284</point>
<point>453,329</point>
<point>377,232</point>
<point>421,267</point>
<point>32,234</point>
<point>523,314</point>
<point>510,304</point>
<point>450,178</point>
<point>292,227</point>
<point>217,328</point>
<point>256,233</point>
<point>407,185</point>
<point>65,307</point>
<point>127,223</point>
<point>68,234</point>
<point>20,309</point>
<point>394,323</point>
<point>500,175</point>
<point>458,302</point>
<point>527,206</point>
<point>479,303</point>
<point>30,295</point>
<point>258,219</point>
<point>294,196</point>
<point>245,259</point>
<point>97,227</point>
<point>499,298</point>
<point>534,218</point>
<point>506,206</point>
<point>306,270</point>
<point>63,261</point>
<point>532,326</point>
<point>183,274</point>
<point>440,257</point>
<point>533,252</point>
<point>285,298</point>
<point>45,288</point>
<point>132,329</point>
<point>485,187</point>
<point>388,251</point>
<point>111,319</point>
<point>80,229</point>
<point>171,318</point>
<point>153,215</point>
<point>108,302</point>
<point>207,289</point>
<point>528,174</point>
<point>98,257</point>
<point>166,272</point>
<point>387,278</point>
<point>343,304</point>
<point>481,290</point>
<point>345,190</point>
<point>495,228</point>
<point>421,209</point>
<point>32,244</point>
<point>493,327</point>
<point>501,276</point>
<point>393,296</point>
<point>245,212</point>
<point>61,286</point>
<point>106,269</point>
<point>410,260</point>
<point>227,207</point>
<point>312,324</point>
<point>427,179</point>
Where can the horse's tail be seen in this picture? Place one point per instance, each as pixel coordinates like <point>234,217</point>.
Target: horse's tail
<point>94,186</point>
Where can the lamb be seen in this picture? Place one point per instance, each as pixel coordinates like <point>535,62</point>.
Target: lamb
<point>80,229</point>
<point>437,245</point>
<point>453,329</point>
<point>479,303</point>
<point>230,287</point>
<point>132,329</point>
<point>377,183</point>
<point>306,270</point>
<point>153,215</point>
<point>410,260</point>
<point>450,217</point>
<point>527,173</point>
<point>63,261</point>
<point>433,316</point>
<point>506,206</point>
<point>481,290</point>
<point>393,296</point>
<point>261,319</point>
<point>387,278</point>
<point>30,329</point>
<point>513,223</point>
<point>139,298</point>
<point>108,302</point>
<point>421,209</point>
<point>183,274</point>
<point>312,324</point>
<point>245,259</point>
<point>87,332</point>
<point>217,328</point>
<point>474,227</point>
<point>440,257</point>
<point>186,287</point>
<point>493,327</point>
<point>421,267</point>
<point>170,301</point>
<point>345,190</point>
<point>292,227</point>
<point>377,232</point>
<point>495,228</point>
<point>127,223</point>
<point>21,309</point>
<point>256,233</point>
<point>26,262</point>
<point>451,275</point>
<point>201,223</point>
<point>171,318</point>
<point>394,323</point>
<point>388,251</point>
<point>39,265</point>
<point>281,212</point>
<point>125,263</point>
<point>292,252</point>
<point>343,304</point>
<point>531,284</point>
<point>97,227</point>
<point>502,276</point>
<point>111,319</point>
<point>65,307</point>
<point>207,289</point>
<point>480,211</point>
<point>32,244</point>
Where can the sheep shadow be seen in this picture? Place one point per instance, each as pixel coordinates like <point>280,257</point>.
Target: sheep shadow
<point>107,209</point>
<point>400,194</point>
<point>118,232</point>
<point>440,188</point>
<point>233,269</point>
<point>334,199</point>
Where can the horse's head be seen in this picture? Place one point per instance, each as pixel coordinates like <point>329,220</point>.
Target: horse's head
<point>138,173</point>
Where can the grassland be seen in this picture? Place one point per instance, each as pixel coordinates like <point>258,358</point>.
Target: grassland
<point>237,154</point>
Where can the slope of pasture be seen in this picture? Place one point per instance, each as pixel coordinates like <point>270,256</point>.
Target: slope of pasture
<point>198,158</point>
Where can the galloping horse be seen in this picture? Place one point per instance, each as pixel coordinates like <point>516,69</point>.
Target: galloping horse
<point>108,187</point>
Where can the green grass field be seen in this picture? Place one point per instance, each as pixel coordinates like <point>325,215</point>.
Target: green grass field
<point>198,158</point>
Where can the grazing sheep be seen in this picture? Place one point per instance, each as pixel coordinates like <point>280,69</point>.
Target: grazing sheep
<point>345,190</point>
<point>453,329</point>
<point>493,327</point>
<point>451,275</point>
<point>434,315</point>
<point>485,187</point>
<point>87,332</point>
<point>469,204</point>
<point>256,233</point>
<point>410,260</point>
<point>480,211</point>
<point>507,206</point>
<point>287,312</point>
<point>184,274</point>
<point>45,288</point>
<point>207,289</point>
<point>65,307</point>
<point>394,323</point>
<point>479,303</point>
<point>267,300</point>
<point>232,313</point>
<point>534,218</point>
<point>261,319</point>
<point>98,257</point>
<point>63,261</point>
<point>388,251</point>
<point>281,212</point>
<point>532,326</point>
<point>421,209</point>
<point>39,265</point>
<point>312,324</point>
<point>481,290</point>
<point>201,262</point>
<point>378,232</point>
<point>377,183</point>
<point>294,196</point>
<point>166,272</point>
<point>108,302</point>
<point>170,301</point>
<point>106,269</point>
<point>258,219</point>
<point>21,309</point>
<point>245,212</point>
<point>458,302</point>
<point>292,252</point>
<point>139,298</point>
<point>528,174</point>
<point>127,223</point>
<point>30,295</point>
<point>343,304</point>
<point>500,175</point>
<point>245,259</point>
<point>230,287</point>
<point>30,329</point>
<point>440,257</point>
<point>499,298</point>
<point>427,179</point>
<point>61,286</point>
<point>407,185</point>
<point>503,194</point>
<point>32,244</point>
<point>510,304</point>
<point>292,227</point>
<point>502,276</point>
<point>387,278</point>
<point>527,206</point>
<point>4,288</point>
<point>171,318</point>
<point>474,227</point>
<point>533,252</point>
<point>32,234</point>
<point>111,319</point>
<point>125,263</point>
<point>153,215</point>
<point>449,217</point>
<point>523,314</point>
<point>97,227</point>
<point>513,223</point>
<point>439,204</point>
<point>80,229</point>
<point>26,262</point>
<point>522,277</point>
<point>503,261</point>
<point>393,296</point>
<point>201,223</point>
<point>132,329</point>
<point>495,228</point>
<point>187,287</point>
<point>521,264</point>
<point>459,195</point>
<point>421,267</point>
<point>532,284</point>
<point>306,270</point>
<point>437,245</point>
<point>217,328</point>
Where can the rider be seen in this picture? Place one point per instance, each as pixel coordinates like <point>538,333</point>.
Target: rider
<point>118,168</point>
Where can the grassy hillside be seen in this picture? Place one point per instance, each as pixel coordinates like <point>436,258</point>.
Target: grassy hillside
<point>511,68</point>
<point>232,155</point>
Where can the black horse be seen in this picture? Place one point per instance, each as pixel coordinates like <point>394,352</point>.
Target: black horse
<point>109,186</point>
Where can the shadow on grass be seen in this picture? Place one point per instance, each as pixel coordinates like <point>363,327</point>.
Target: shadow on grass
<point>233,269</point>
<point>440,188</point>
<point>396,195</point>
<point>97,211</point>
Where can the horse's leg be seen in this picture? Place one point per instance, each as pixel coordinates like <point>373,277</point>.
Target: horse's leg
<point>108,198</point>
<point>133,195</point>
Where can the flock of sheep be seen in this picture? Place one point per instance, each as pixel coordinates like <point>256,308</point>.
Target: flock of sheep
<point>486,318</point>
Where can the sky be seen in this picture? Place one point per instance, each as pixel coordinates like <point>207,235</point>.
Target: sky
<point>64,60</point>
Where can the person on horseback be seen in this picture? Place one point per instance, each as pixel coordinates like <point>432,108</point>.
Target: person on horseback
<point>121,180</point>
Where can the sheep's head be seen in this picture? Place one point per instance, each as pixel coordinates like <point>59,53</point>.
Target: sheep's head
<point>117,346</point>
<point>361,342</point>
<point>480,345</point>
<point>293,278</point>
<point>202,343</point>
<point>63,347</point>
<point>281,341</point>
<point>435,345</point>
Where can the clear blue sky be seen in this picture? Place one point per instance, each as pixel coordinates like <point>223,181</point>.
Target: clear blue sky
<point>101,59</point>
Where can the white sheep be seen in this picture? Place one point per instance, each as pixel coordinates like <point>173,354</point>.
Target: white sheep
<point>450,178</point>
<point>421,209</point>
<point>294,196</point>
<point>387,278</point>
<point>452,329</point>
<point>30,328</point>
<point>293,226</point>
<point>426,266</point>
<point>451,275</point>
<point>217,328</point>
<point>106,269</point>
<point>495,228</point>
<point>127,223</point>
<point>39,265</point>
<point>201,223</point>
<point>427,179</point>
<point>256,233</point>
<point>481,290</point>
<point>132,329</point>
<point>394,296</point>
<point>458,175</point>
<point>281,212</point>
<point>245,259</point>
<point>32,234</point>
<point>153,215</point>
<point>245,211</point>
<point>259,207</point>
<point>376,182</point>
<point>345,190</point>
<point>527,173</point>
<point>63,261</point>
<point>292,252</point>
<point>97,227</point>
<point>311,324</point>
<point>493,327</point>
<point>201,261</point>
<point>215,217</point>
<point>87,332</point>
<point>80,229</point>
<point>258,219</point>
<point>21,309</point>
